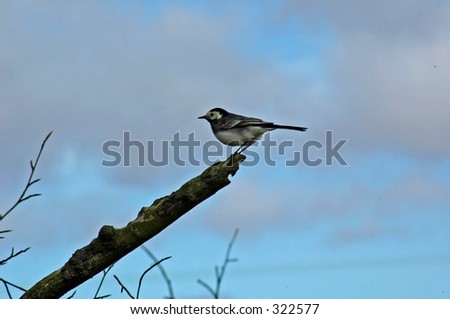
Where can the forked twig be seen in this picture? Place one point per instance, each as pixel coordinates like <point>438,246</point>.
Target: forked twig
<point>220,273</point>
<point>105,272</point>
<point>23,197</point>
<point>7,284</point>
<point>12,255</point>
<point>123,288</point>
<point>4,232</point>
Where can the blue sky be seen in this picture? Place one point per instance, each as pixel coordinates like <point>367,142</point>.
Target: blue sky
<point>374,73</point>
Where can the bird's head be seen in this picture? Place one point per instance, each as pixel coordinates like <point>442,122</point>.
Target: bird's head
<point>214,114</point>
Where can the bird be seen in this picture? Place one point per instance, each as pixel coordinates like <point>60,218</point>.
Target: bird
<point>239,130</point>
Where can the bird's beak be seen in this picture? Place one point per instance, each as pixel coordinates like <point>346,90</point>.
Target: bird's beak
<point>202,117</point>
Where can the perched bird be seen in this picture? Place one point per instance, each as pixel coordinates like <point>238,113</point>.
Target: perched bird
<point>238,130</point>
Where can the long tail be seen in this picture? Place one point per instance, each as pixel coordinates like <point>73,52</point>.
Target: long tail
<point>285,127</point>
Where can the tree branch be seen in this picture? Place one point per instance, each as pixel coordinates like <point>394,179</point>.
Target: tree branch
<point>123,287</point>
<point>145,272</point>
<point>105,273</point>
<point>4,232</point>
<point>30,181</point>
<point>13,255</point>
<point>163,272</point>
<point>114,243</point>
<point>220,273</point>
<point>7,284</point>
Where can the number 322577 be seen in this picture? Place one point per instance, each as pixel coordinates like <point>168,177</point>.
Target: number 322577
<point>295,309</point>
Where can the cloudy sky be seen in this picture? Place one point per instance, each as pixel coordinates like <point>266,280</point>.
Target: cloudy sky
<point>373,73</point>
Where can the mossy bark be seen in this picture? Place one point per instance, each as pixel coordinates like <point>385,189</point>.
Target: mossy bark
<point>114,243</point>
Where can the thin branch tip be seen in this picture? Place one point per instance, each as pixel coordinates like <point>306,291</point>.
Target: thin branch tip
<point>220,272</point>
<point>30,181</point>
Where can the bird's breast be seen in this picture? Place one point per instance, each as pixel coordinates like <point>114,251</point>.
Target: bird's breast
<point>241,135</point>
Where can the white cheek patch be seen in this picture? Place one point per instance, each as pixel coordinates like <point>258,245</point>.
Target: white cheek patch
<point>214,115</point>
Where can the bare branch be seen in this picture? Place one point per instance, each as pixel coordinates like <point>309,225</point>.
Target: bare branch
<point>146,271</point>
<point>114,243</point>
<point>163,272</point>
<point>123,288</point>
<point>35,181</point>
<point>105,272</point>
<point>30,181</point>
<point>220,273</point>
<point>12,255</point>
<point>7,284</point>
<point>5,231</point>
<point>29,196</point>
<point>208,287</point>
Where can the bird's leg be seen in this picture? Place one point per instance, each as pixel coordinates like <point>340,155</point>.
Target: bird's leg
<point>244,146</point>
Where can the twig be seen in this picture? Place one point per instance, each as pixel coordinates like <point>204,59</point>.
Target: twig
<point>12,255</point>
<point>7,284</point>
<point>208,287</point>
<point>5,231</point>
<point>105,272</point>
<point>220,273</point>
<point>146,271</point>
<point>72,294</point>
<point>23,197</point>
<point>123,288</point>
<point>163,272</point>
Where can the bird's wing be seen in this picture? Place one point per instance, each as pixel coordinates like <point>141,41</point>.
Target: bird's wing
<point>242,121</point>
